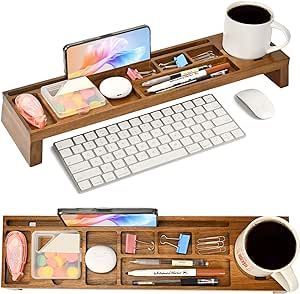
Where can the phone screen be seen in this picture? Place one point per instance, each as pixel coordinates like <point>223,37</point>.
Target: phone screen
<point>108,219</point>
<point>108,52</point>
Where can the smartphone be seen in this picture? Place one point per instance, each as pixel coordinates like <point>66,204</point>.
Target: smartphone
<point>107,52</point>
<point>95,217</point>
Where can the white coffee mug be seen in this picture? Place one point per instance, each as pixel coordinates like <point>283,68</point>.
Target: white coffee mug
<point>285,275</point>
<point>251,41</point>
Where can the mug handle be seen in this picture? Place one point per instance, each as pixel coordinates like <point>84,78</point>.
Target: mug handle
<point>286,32</point>
<point>287,279</point>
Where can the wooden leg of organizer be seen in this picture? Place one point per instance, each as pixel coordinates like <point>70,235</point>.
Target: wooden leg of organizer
<point>31,151</point>
<point>281,76</point>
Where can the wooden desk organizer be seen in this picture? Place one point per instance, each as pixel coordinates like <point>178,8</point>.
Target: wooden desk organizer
<point>29,139</point>
<point>114,237</point>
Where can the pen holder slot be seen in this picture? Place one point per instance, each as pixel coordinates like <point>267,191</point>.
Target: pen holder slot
<point>26,278</point>
<point>109,239</point>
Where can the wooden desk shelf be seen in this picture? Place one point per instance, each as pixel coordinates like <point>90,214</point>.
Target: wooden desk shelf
<point>29,139</point>
<point>114,237</point>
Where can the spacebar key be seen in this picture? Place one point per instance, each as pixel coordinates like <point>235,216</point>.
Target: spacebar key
<point>161,159</point>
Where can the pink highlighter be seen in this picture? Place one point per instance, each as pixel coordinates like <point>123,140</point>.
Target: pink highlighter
<point>16,254</point>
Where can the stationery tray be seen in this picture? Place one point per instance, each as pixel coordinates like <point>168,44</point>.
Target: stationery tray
<point>29,139</point>
<point>114,237</point>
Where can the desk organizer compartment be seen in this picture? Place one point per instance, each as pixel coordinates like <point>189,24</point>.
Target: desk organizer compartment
<point>110,239</point>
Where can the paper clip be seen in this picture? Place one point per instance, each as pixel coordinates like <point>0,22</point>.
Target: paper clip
<point>134,74</point>
<point>182,245</point>
<point>211,245</point>
<point>131,244</point>
<point>205,56</point>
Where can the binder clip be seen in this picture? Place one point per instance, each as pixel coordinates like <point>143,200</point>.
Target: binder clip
<point>211,245</point>
<point>131,244</point>
<point>182,245</point>
<point>134,74</point>
<point>178,61</point>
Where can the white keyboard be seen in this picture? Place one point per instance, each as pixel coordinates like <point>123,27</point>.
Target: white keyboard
<point>105,155</point>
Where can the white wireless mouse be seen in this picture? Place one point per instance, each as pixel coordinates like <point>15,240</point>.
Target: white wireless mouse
<point>257,102</point>
<point>115,87</point>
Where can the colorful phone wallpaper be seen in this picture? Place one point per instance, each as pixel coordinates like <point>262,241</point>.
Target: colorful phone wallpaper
<point>108,53</point>
<point>96,220</point>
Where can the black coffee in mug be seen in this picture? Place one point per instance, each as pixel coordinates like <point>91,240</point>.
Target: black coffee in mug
<point>271,245</point>
<point>249,14</point>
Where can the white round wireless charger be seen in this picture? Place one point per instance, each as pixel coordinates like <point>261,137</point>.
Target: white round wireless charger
<point>115,87</point>
<point>100,259</point>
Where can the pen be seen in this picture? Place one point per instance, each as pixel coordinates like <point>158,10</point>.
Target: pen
<point>173,262</point>
<point>182,282</point>
<point>174,76</point>
<point>213,75</point>
<point>184,79</point>
<point>191,272</point>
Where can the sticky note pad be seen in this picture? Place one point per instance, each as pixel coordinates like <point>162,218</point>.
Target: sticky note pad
<point>183,243</point>
<point>180,60</point>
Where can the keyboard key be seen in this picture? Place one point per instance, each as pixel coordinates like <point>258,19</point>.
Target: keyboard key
<point>197,137</point>
<point>122,172</point>
<point>186,141</point>
<point>64,144</point>
<point>146,118</point>
<point>135,122</point>
<point>142,156</point>
<point>107,167</point>
<point>135,131</point>
<point>167,120</point>
<point>90,136</point>
<point>87,174</point>
<point>210,115</point>
<point>193,148</point>
<point>157,114</point>
<point>175,136</point>
<point>216,140</point>
<point>178,125</point>
<point>220,111</point>
<point>101,141</point>
<point>107,158</point>
<point>153,152</point>
<point>79,139</point>
<point>131,150</point>
<point>208,134</point>
<point>119,154</point>
<point>156,123</point>
<point>146,127</point>
<point>89,145</point>
<point>186,132</point>
<point>142,146</point>
<point>164,158</point>
<point>227,137</point>
<point>130,159</point>
<point>123,143</point>
<point>153,143</point>
<point>112,138</point>
<point>78,167</point>
<point>100,151</point>
<point>178,116</point>
<point>177,108</point>
<point>199,110</point>
<point>65,152</point>
<point>118,163</point>
<point>77,149</point>
<point>238,133</point>
<point>109,177</point>
<point>209,98</point>
<point>88,154</point>
<point>167,129</point>
<point>134,140</point>
<point>145,136</point>
<point>73,159</point>
<point>207,125</point>
<point>188,113</point>
<point>124,125</point>
<point>96,161</point>
<point>205,144</point>
<point>212,106</point>
<point>156,133</point>
<point>167,111</point>
<point>199,118</point>
<point>102,132</point>
<point>111,147</point>
<point>175,145</point>
<point>113,129</point>
<point>225,128</point>
<point>84,185</point>
<point>221,120</point>
<point>164,139</point>
<point>197,128</point>
<point>97,181</point>
<point>198,101</point>
<point>124,134</point>
<point>188,122</point>
<point>164,148</point>
<point>188,104</point>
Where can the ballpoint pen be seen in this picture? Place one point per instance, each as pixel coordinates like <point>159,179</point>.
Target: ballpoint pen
<point>182,282</point>
<point>185,79</point>
<point>173,262</point>
<point>188,272</point>
<point>165,78</point>
<point>202,78</point>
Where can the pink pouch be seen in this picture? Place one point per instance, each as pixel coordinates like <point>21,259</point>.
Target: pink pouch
<point>31,109</point>
<point>16,253</point>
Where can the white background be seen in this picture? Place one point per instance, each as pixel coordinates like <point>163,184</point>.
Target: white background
<point>258,175</point>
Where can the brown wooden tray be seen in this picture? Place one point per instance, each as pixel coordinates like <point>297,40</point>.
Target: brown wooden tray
<point>29,139</point>
<point>198,227</point>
